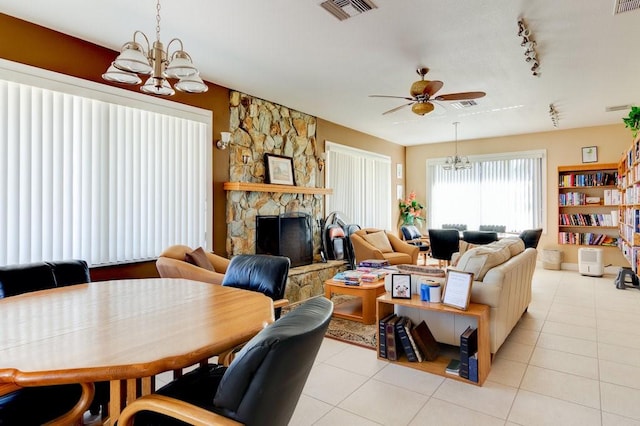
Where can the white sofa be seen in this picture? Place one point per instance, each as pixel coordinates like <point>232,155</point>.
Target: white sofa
<point>503,271</point>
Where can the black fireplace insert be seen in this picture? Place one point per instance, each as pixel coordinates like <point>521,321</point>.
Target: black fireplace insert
<point>288,234</point>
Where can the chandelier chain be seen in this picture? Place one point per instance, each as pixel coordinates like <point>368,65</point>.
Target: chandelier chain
<point>158,20</point>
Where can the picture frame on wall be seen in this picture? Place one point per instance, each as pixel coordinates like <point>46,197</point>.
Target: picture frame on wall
<point>401,286</point>
<point>279,169</point>
<point>590,154</point>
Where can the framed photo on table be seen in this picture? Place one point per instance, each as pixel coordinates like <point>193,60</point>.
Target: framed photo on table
<point>401,286</point>
<point>279,169</point>
<point>457,289</point>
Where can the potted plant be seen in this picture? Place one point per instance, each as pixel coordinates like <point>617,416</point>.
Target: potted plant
<point>632,121</point>
<point>410,210</point>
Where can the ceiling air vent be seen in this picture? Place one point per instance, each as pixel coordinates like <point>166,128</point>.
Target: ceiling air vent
<point>626,6</point>
<point>464,104</point>
<point>617,108</point>
<point>345,9</point>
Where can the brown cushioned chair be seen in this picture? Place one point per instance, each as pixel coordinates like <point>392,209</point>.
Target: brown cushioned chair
<point>172,264</point>
<point>366,245</point>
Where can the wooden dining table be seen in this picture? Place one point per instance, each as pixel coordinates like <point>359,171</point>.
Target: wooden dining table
<point>124,332</point>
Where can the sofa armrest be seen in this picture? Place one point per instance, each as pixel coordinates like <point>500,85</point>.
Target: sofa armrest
<point>403,247</point>
<point>219,263</point>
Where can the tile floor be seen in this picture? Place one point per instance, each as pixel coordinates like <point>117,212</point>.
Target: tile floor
<point>573,359</point>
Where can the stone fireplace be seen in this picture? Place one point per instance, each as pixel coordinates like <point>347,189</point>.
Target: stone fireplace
<point>258,127</point>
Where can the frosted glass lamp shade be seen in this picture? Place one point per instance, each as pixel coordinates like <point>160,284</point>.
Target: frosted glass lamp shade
<point>180,66</point>
<point>133,59</point>
<point>158,86</point>
<point>119,76</point>
<point>192,84</point>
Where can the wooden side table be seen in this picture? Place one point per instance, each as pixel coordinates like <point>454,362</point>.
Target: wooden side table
<point>362,309</point>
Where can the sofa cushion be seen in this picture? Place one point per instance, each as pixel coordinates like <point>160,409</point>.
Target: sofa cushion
<point>199,258</point>
<point>480,259</point>
<point>380,241</point>
<point>515,244</point>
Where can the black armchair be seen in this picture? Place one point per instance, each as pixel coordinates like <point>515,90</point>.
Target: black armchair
<point>262,385</point>
<point>531,237</point>
<point>479,237</point>
<point>412,235</point>
<point>444,242</point>
<point>260,272</point>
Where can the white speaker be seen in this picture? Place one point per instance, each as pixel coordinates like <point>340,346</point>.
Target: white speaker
<point>590,262</point>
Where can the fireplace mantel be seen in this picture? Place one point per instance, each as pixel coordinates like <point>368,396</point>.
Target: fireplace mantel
<point>265,187</point>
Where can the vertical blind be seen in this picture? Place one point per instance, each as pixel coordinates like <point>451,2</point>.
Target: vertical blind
<point>361,183</point>
<point>505,190</point>
<point>103,182</point>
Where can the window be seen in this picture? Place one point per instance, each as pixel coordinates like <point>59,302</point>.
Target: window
<point>361,183</point>
<point>500,189</point>
<point>99,177</point>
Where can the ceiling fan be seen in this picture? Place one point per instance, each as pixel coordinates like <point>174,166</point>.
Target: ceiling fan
<point>422,93</point>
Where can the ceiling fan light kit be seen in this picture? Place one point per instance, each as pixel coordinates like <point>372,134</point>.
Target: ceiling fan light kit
<point>157,62</point>
<point>529,46</point>
<point>423,93</point>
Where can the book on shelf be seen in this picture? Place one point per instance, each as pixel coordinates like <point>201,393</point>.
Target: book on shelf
<point>453,367</point>
<point>468,346</point>
<point>392,344</point>
<point>473,367</point>
<point>382,330</point>
<point>374,263</point>
<point>425,341</point>
<point>403,330</point>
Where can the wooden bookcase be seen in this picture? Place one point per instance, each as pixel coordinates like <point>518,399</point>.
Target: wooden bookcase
<point>629,186</point>
<point>588,206</point>
<point>386,305</point>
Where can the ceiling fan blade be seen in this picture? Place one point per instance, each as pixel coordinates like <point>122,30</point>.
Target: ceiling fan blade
<point>433,87</point>
<point>389,96</point>
<point>397,108</point>
<point>462,96</point>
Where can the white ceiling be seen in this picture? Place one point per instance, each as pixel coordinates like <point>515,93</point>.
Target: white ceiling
<point>294,53</point>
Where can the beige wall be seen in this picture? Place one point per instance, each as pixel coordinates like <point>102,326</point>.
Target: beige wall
<point>563,148</point>
<point>328,131</point>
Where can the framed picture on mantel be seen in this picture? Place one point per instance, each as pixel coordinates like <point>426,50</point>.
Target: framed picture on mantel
<point>279,169</point>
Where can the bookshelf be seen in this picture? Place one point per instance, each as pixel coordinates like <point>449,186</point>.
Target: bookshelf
<point>629,187</point>
<point>588,205</point>
<point>386,305</point>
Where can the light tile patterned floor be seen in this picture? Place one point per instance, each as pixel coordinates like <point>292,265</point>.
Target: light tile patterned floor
<point>573,359</point>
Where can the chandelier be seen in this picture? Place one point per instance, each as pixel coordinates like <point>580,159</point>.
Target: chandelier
<point>456,162</point>
<point>155,61</point>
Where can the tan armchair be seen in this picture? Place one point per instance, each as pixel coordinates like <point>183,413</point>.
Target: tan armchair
<point>369,243</point>
<point>172,264</point>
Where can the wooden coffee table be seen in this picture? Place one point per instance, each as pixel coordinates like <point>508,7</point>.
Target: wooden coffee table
<point>362,308</point>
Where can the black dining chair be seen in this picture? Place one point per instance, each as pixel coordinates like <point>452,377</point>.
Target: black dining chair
<point>459,226</point>
<point>494,228</point>
<point>261,386</point>
<point>444,242</point>
<point>479,237</point>
<point>37,405</point>
<point>531,237</point>
<point>260,272</point>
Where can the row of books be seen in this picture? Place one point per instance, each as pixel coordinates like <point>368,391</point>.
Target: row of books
<point>467,366</point>
<point>589,179</point>
<point>612,197</point>
<point>397,335</point>
<point>587,239</point>
<point>631,216</point>
<point>592,219</point>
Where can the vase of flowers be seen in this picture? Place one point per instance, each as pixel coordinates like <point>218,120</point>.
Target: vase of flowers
<point>410,210</point>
